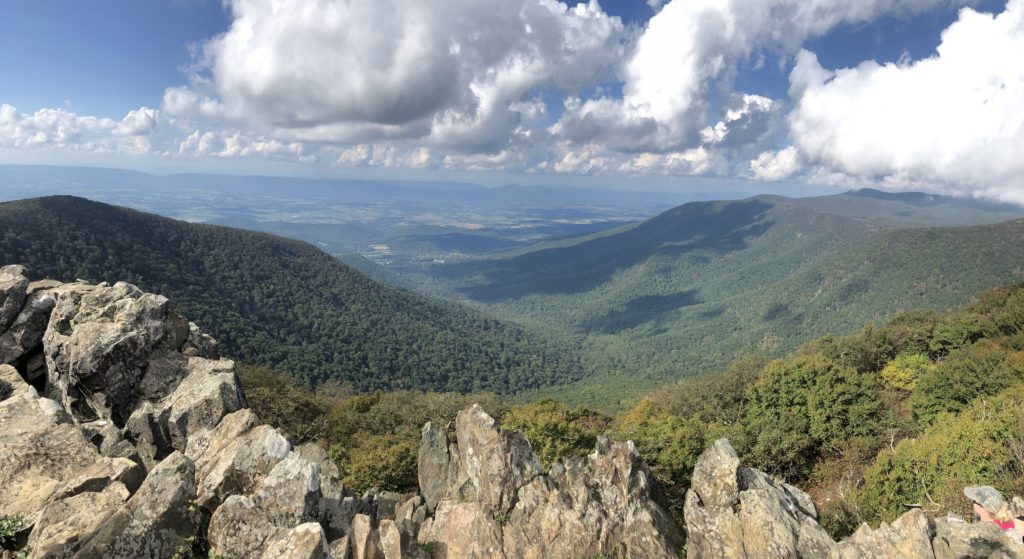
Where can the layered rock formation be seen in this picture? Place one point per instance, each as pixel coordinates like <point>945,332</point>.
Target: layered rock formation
<point>124,435</point>
<point>740,513</point>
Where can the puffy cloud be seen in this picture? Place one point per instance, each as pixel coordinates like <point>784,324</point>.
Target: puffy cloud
<point>450,72</point>
<point>953,122</point>
<point>692,47</point>
<point>775,166</point>
<point>234,143</point>
<point>63,129</point>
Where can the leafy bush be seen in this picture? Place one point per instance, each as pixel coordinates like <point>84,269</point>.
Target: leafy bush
<point>554,430</point>
<point>805,406</point>
<point>960,330</point>
<point>719,397</point>
<point>669,444</point>
<point>387,461</point>
<point>902,373</point>
<point>283,402</point>
<point>982,445</point>
<point>984,368</point>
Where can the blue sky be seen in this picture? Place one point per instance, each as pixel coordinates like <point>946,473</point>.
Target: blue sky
<point>620,88</point>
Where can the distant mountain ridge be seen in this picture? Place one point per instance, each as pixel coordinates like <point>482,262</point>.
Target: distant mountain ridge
<point>694,287</point>
<point>282,302</point>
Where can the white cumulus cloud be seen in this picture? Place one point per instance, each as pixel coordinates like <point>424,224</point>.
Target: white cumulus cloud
<point>448,72</point>
<point>953,122</point>
<point>776,165</point>
<point>60,129</point>
<point>690,48</point>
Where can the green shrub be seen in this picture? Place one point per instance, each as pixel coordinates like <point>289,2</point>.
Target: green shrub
<point>556,431</point>
<point>669,444</point>
<point>959,330</point>
<point>805,406</point>
<point>902,373</point>
<point>983,445</point>
<point>719,397</point>
<point>984,368</point>
<point>386,461</point>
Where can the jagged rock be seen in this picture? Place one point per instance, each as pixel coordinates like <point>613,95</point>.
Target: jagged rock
<point>13,288</point>
<point>206,392</point>
<point>156,522</point>
<point>134,383</point>
<point>410,515</point>
<point>63,523</point>
<point>239,455</point>
<point>435,465</point>
<point>955,538</point>
<point>108,439</point>
<point>715,478</point>
<point>200,344</point>
<point>341,548</point>
<point>462,530</point>
<point>392,541</point>
<point>98,344</point>
<point>336,511</point>
<point>365,540</point>
<point>908,536</point>
<point>737,512</point>
<point>605,504</point>
<point>492,464</point>
<point>239,530</point>
<point>25,332</point>
<point>288,496</point>
<point>13,386</point>
<point>44,457</point>
<point>380,505</point>
<point>305,541</point>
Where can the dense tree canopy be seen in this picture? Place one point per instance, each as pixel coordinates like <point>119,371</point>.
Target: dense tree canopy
<point>282,303</point>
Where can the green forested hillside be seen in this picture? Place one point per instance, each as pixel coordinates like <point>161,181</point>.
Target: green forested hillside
<point>903,414</point>
<point>280,302</point>
<point>696,287</point>
<point>906,413</point>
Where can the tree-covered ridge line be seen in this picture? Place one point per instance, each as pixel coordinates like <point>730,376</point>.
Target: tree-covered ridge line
<point>282,303</point>
<point>696,287</point>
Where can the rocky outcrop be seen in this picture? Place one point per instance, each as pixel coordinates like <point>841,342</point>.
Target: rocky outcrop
<point>123,434</point>
<point>495,502</point>
<point>737,512</point>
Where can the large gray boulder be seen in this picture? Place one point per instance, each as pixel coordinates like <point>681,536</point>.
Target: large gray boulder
<point>98,346</point>
<point>158,521</point>
<point>13,287</point>
<point>498,503</point>
<point>25,332</point>
<point>45,457</point>
<point>305,541</point>
<point>734,512</point>
<point>204,392</point>
<point>435,468</point>
<point>288,496</point>
<point>491,464</point>
<point>239,456</point>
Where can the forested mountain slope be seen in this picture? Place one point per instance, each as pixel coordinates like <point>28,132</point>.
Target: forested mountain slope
<point>280,302</point>
<point>692,288</point>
